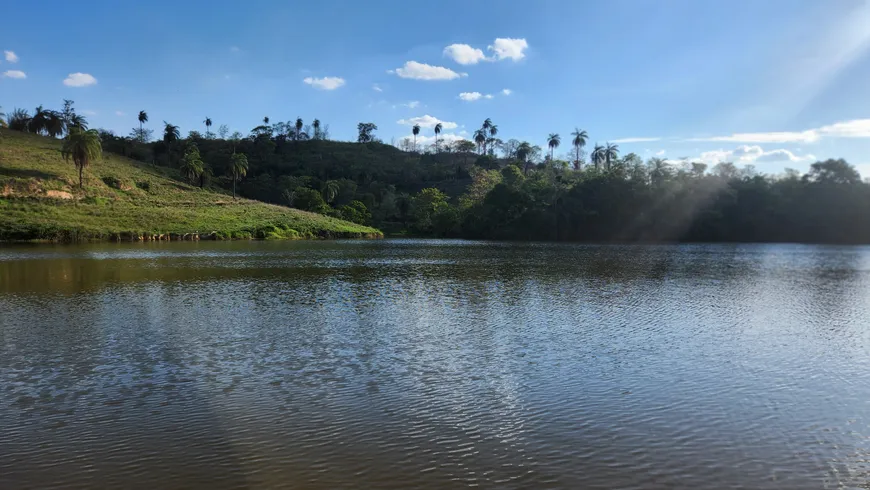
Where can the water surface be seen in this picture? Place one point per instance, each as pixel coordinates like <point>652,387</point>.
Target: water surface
<point>434,364</point>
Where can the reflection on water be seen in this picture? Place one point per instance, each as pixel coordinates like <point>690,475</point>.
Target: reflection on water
<point>434,364</point>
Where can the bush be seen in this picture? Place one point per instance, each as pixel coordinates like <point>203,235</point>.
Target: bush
<point>145,185</point>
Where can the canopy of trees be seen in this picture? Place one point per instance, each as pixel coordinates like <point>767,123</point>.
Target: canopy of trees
<point>494,188</point>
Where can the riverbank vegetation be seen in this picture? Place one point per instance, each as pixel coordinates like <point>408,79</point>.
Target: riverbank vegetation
<point>492,187</point>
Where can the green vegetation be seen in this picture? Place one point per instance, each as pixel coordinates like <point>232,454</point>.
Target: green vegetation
<point>487,187</point>
<point>41,198</point>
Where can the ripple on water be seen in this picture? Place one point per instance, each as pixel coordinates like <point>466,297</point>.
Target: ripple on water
<point>434,364</point>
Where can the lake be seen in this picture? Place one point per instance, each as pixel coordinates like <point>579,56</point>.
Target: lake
<point>434,364</point>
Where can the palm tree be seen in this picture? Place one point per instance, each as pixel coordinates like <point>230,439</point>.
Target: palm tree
<point>523,151</point>
<point>207,126</point>
<point>611,152</point>
<point>553,142</point>
<point>480,139</point>
<point>171,134</point>
<point>191,165</point>
<point>82,146</point>
<point>239,168</point>
<point>437,132</point>
<point>415,131</point>
<point>39,122</point>
<point>298,128</point>
<point>54,124</point>
<point>330,191</point>
<point>316,126</point>
<point>598,155</point>
<point>579,141</point>
<point>143,118</point>
<point>19,120</point>
<point>77,121</point>
<point>487,124</point>
<point>266,120</point>
<point>493,130</point>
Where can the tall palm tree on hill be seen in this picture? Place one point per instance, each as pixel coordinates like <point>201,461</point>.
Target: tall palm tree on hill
<point>553,142</point>
<point>480,139</point>
<point>579,141</point>
<point>143,118</point>
<point>299,126</point>
<point>316,126</point>
<point>82,147</point>
<point>437,132</point>
<point>415,131</point>
<point>239,168</point>
<point>598,155</point>
<point>207,127</point>
<point>611,153</point>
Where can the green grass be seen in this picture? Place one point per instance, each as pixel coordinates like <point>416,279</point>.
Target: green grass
<point>125,199</point>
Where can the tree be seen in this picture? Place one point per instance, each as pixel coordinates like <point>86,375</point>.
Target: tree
<point>553,142</point>
<point>833,172</point>
<point>598,155</point>
<point>19,120</point>
<point>579,141</point>
<point>611,153</point>
<point>480,139</point>
<point>191,165</point>
<point>437,133</point>
<point>484,129</point>
<point>298,134</point>
<point>238,168</point>
<point>493,130</point>
<point>366,132</point>
<point>316,126</point>
<point>415,131</point>
<point>143,118</point>
<point>171,134</point>
<point>83,147</point>
<point>39,122</point>
<point>207,127</point>
<point>330,190</point>
<point>266,121</point>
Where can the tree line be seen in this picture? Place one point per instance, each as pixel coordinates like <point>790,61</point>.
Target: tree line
<point>489,187</point>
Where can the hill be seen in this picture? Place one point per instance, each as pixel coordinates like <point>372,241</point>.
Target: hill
<point>126,199</point>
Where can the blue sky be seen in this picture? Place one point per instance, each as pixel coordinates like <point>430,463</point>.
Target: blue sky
<point>774,83</point>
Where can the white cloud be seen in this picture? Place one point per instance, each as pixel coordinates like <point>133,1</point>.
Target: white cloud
<point>464,54</point>
<point>79,80</point>
<point>119,113</point>
<point>427,121</point>
<point>377,88</point>
<point>472,96</point>
<point>424,140</point>
<point>507,91</point>
<point>89,112</point>
<point>856,128</point>
<point>14,74</point>
<point>11,56</point>
<point>745,154</point>
<point>506,48</point>
<point>660,153</point>
<point>634,140</point>
<point>325,83</point>
<point>422,71</point>
<point>413,104</point>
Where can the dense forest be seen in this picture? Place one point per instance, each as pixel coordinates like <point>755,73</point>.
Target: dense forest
<point>489,187</point>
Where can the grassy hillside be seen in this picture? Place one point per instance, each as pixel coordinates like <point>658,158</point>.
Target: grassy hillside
<point>126,199</point>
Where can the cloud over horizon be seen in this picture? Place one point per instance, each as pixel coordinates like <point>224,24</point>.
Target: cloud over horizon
<point>427,121</point>
<point>325,83</point>
<point>421,71</point>
<point>79,80</point>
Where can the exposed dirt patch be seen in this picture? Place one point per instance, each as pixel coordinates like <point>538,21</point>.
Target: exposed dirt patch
<point>58,194</point>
